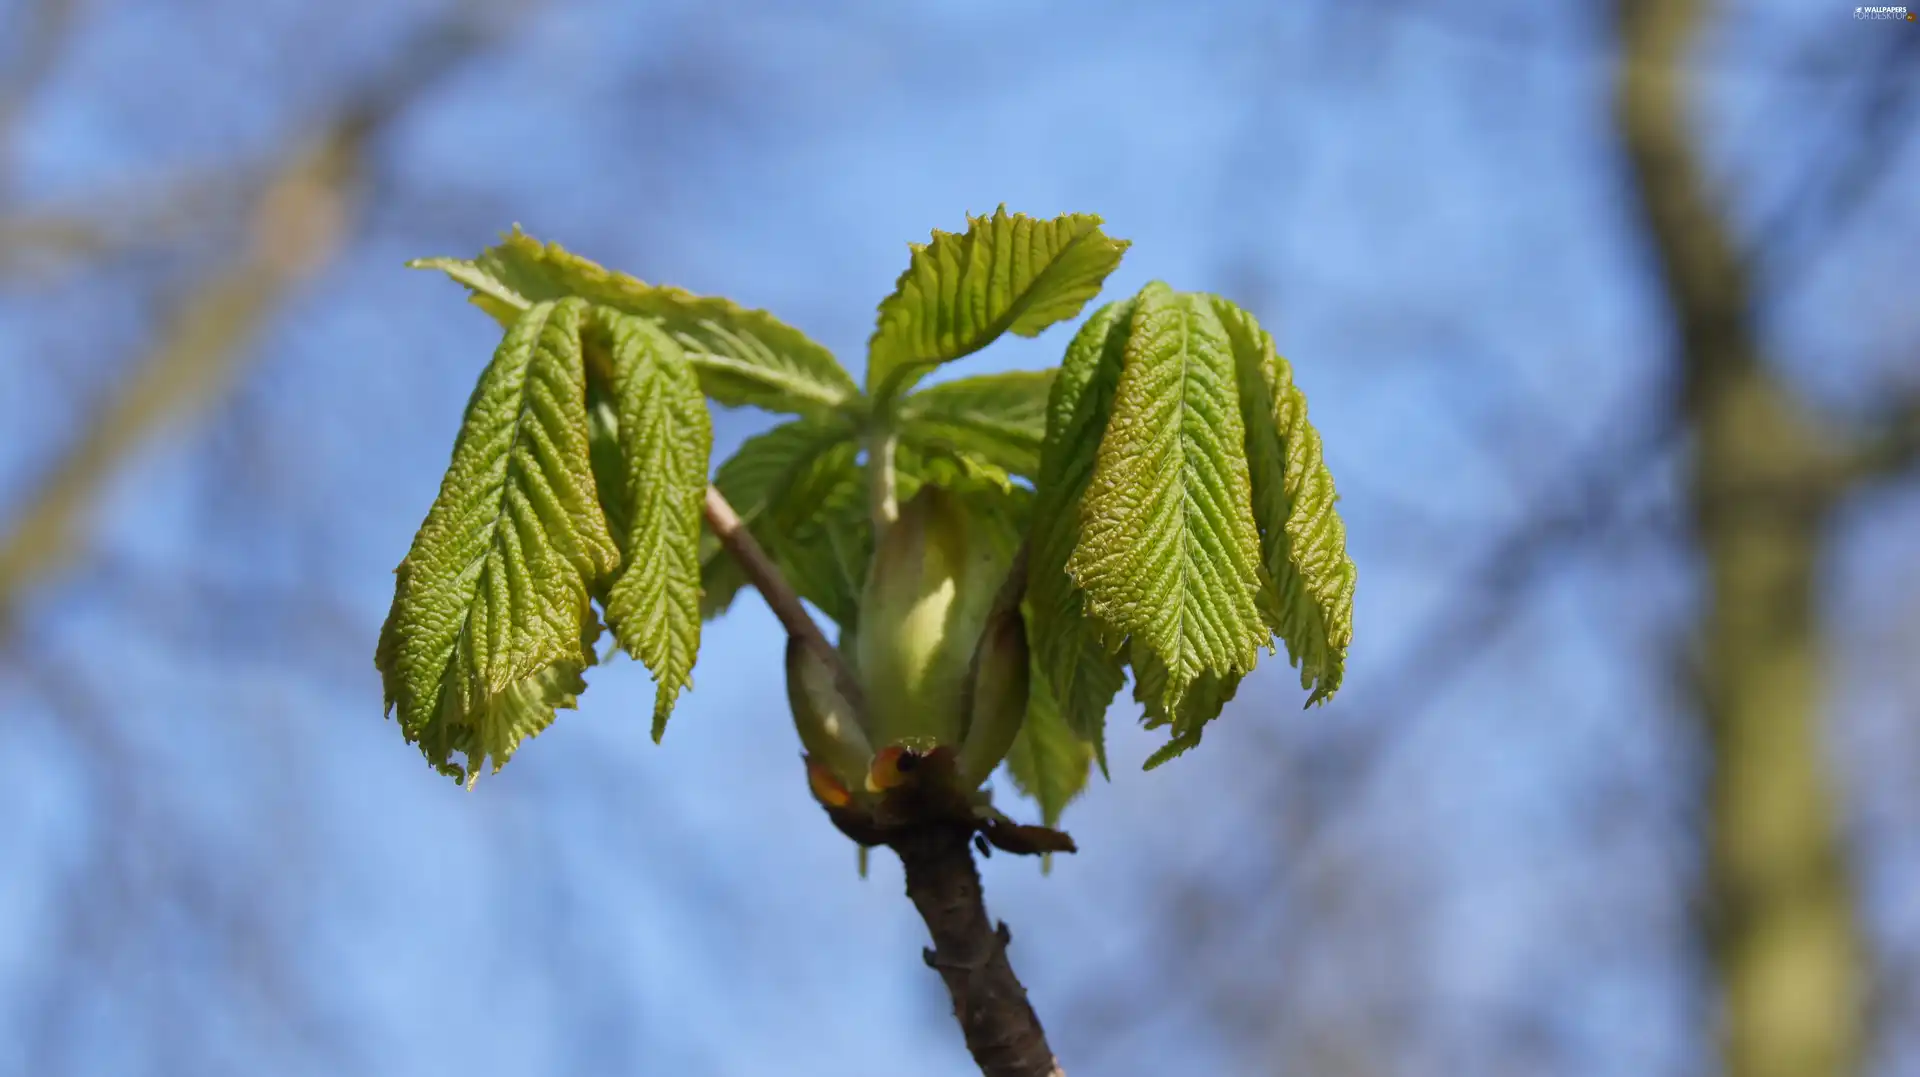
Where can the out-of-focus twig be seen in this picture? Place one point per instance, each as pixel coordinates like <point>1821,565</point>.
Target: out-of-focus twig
<point>1891,449</point>
<point>42,243</point>
<point>1859,150</point>
<point>300,218</point>
<point>48,26</point>
<point>295,228</point>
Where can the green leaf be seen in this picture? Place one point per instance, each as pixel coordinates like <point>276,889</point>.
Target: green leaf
<point>609,465</point>
<point>742,356</point>
<point>1005,273</point>
<point>998,418</point>
<point>1168,551</point>
<point>824,552</point>
<point>779,482</point>
<point>665,436</point>
<point>1084,671</point>
<point>1048,761</point>
<point>492,625</point>
<point>1308,594</point>
<point>1200,703</point>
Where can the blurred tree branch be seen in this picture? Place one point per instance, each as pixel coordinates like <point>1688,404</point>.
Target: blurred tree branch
<point>49,26</point>
<point>1891,449</point>
<point>300,218</point>
<point>43,243</point>
<point>1783,929</point>
<point>1829,194</point>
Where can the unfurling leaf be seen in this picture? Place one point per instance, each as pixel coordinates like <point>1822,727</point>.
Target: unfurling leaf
<point>1005,273</point>
<point>742,356</point>
<point>1168,552</point>
<point>491,625</point>
<point>998,418</point>
<point>1083,671</point>
<point>932,587</point>
<point>665,436</point>
<point>1310,578</point>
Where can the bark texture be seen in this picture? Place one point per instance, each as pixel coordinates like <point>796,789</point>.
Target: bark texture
<point>970,954</point>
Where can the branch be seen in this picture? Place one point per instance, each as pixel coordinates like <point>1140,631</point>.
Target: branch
<point>970,954</point>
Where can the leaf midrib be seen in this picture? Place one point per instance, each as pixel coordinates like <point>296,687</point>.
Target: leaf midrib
<point>477,565</point>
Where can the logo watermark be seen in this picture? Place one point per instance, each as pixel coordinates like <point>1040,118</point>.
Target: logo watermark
<point>1887,13</point>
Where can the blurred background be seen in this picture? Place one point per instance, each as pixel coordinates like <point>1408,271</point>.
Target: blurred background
<point>1607,316</point>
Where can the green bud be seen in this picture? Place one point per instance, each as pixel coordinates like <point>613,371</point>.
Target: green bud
<point>926,601</point>
<point>828,724</point>
<point>996,695</point>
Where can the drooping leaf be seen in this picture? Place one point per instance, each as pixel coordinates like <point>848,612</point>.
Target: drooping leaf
<point>742,356</point>
<point>1005,273</point>
<point>1200,703</point>
<point>665,436</point>
<point>1000,418</point>
<point>1048,761</point>
<point>1168,551</point>
<point>1310,579</point>
<point>1084,672</point>
<point>492,625</point>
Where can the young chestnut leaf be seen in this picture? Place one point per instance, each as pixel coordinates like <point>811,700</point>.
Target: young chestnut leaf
<point>1185,516</point>
<point>1308,594</point>
<point>665,436</point>
<point>1168,550</point>
<point>1084,671</point>
<point>1048,760</point>
<point>743,356</point>
<point>1201,703</point>
<point>491,625</point>
<point>998,418</point>
<point>1005,273</point>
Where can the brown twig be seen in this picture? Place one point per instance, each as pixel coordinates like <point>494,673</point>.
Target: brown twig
<point>970,954</point>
